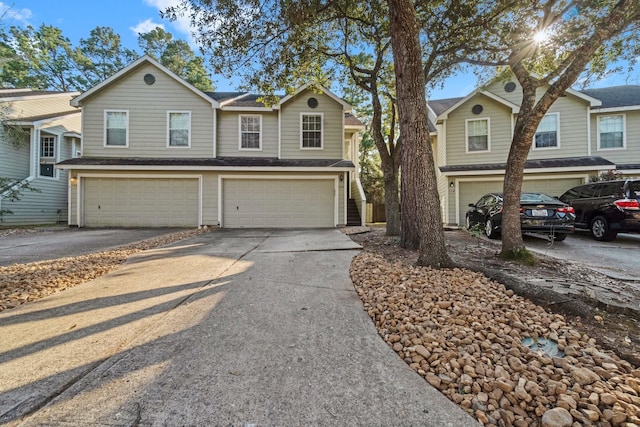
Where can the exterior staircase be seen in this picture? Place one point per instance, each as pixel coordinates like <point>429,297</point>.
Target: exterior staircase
<point>353,214</point>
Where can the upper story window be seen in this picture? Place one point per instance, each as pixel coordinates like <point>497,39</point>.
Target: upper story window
<point>547,132</point>
<point>47,146</point>
<point>478,135</point>
<point>311,131</point>
<point>47,156</point>
<point>116,128</point>
<point>611,132</point>
<point>250,132</point>
<point>179,129</point>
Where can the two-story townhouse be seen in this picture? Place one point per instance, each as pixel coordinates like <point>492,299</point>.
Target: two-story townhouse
<point>159,152</point>
<point>473,137</point>
<point>41,129</point>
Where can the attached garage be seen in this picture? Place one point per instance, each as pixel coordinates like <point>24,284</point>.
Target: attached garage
<point>471,191</point>
<point>278,202</point>
<point>140,202</point>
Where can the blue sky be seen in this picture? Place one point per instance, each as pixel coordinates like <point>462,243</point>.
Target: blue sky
<point>76,18</point>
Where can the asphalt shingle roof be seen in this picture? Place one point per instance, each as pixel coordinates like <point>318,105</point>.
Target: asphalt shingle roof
<point>534,164</point>
<point>204,162</point>
<point>616,96</point>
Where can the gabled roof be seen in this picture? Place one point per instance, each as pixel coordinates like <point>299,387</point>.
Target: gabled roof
<point>453,103</point>
<point>16,94</point>
<point>352,121</point>
<point>146,59</point>
<point>28,121</point>
<point>616,96</point>
<point>322,89</point>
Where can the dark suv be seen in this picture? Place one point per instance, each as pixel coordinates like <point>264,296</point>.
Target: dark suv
<point>606,208</point>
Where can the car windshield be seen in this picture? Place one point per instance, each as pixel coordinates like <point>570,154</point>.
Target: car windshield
<point>536,198</point>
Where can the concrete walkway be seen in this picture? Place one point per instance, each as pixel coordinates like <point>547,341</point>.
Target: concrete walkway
<point>234,328</point>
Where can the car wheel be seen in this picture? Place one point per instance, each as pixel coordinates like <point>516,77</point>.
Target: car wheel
<point>601,231</point>
<point>489,229</point>
<point>467,222</point>
<point>559,237</point>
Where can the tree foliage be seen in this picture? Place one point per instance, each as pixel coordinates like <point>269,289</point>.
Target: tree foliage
<point>43,58</point>
<point>37,58</point>
<point>177,56</point>
<point>100,56</point>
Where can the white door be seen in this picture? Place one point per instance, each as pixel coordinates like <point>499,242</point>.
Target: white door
<point>269,203</point>
<point>140,202</point>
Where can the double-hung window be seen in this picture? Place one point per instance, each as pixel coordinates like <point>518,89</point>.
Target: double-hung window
<point>47,155</point>
<point>311,131</point>
<point>478,135</point>
<point>250,132</point>
<point>611,132</point>
<point>547,132</point>
<point>116,128</point>
<point>178,129</point>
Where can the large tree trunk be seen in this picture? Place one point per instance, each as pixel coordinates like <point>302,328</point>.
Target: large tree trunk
<point>420,201</point>
<point>391,196</point>
<point>389,151</point>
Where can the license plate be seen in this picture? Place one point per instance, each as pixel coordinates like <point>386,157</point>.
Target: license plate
<point>538,212</point>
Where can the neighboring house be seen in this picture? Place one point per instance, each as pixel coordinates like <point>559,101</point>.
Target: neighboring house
<point>44,129</point>
<point>583,134</point>
<point>159,152</point>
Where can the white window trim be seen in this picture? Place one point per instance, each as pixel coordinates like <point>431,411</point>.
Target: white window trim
<point>104,143</point>
<point>466,135</point>
<point>169,112</point>
<point>321,131</point>
<point>557,147</point>
<point>55,158</point>
<point>624,133</point>
<point>240,133</point>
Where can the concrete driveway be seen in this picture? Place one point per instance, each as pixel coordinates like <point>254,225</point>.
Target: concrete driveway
<point>58,242</point>
<point>234,328</point>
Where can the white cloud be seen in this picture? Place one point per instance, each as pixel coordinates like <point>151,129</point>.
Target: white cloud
<point>10,13</point>
<point>182,24</point>
<point>145,26</point>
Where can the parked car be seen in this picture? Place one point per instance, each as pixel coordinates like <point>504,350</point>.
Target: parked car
<point>606,208</point>
<point>539,213</point>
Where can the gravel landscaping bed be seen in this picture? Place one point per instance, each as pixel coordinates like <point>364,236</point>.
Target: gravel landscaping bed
<point>503,358</point>
<point>21,283</point>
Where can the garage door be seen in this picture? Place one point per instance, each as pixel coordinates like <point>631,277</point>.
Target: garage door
<point>470,192</point>
<point>135,202</point>
<point>255,203</point>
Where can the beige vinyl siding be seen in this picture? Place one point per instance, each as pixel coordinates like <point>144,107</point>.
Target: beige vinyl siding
<point>48,206</point>
<point>573,130</point>
<point>228,137</point>
<point>630,154</point>
<point>147,106</point>
<point>499,132</point>
<point>333,134</point>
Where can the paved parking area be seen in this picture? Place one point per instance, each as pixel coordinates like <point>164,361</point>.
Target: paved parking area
<point>58,242</point>
<point>616,259</point>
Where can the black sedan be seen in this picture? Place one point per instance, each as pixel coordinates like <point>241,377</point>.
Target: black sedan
<point>539,213</point>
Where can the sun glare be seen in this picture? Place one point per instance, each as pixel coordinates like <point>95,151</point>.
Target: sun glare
<point>540,37</point>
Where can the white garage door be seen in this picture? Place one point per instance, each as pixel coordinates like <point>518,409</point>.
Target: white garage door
<point>470,192</point>
<point>136,202</point>
<point>254,203</point>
